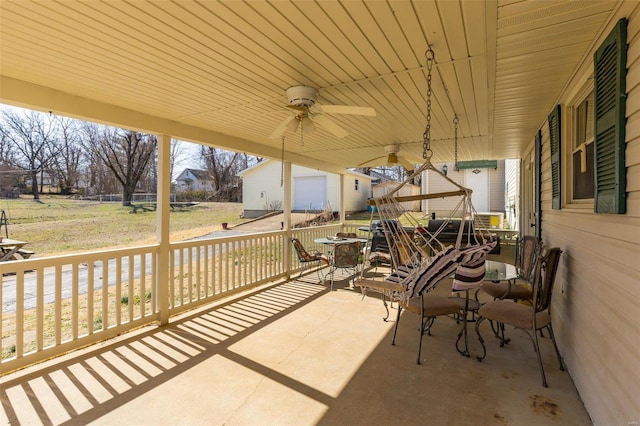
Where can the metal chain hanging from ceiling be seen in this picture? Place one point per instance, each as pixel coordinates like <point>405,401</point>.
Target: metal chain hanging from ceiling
<point>455,143</point>
<point>426,137</point>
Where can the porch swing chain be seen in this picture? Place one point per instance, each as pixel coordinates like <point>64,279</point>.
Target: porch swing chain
<point>455,143</point>
<point>426,142</point>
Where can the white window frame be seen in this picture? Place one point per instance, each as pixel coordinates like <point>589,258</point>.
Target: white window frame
<point>570,148</point>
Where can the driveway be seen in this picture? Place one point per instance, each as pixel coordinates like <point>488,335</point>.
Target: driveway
<point>272,223</point>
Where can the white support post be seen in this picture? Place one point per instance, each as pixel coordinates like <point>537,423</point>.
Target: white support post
<point>163,189</point>
<point>341,192</point>
<point>287,217</point>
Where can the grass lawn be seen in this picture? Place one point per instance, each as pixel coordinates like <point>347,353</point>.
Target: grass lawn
<point>58,225</point>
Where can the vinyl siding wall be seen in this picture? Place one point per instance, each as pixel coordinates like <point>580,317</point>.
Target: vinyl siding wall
<point>355,201</point>
<point>497,188</point>
<point>596,303</point>
<point>512,196</point>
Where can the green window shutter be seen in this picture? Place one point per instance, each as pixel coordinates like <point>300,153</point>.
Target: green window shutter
<point>554,138</point>
<point>610,107</point>
<point>538,185</point>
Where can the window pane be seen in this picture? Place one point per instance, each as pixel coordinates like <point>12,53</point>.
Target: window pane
<point>583,182</point>
<point>584,121</point>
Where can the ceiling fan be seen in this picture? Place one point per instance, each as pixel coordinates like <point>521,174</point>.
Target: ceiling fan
<point>390,159</point>
<point>308,113</point>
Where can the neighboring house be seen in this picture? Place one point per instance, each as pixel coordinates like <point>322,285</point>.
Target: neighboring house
<point>485,179</point>
<point>45,178</point>
<point>311,189</point>
<point>194,180</point>
<point>378,178</point>
<point>407,189</point>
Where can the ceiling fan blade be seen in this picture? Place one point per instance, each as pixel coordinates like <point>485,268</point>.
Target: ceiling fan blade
<point>279,131</point>
<point>406,163</point>
<point>300,108</point>
<point>329,125</point>
<point>374,162</point>
<point>348,109</point>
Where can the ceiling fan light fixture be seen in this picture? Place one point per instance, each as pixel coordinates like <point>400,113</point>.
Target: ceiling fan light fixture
<point>392,159</point>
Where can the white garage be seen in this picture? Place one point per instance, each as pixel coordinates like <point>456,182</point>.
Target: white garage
<point>312,190</point>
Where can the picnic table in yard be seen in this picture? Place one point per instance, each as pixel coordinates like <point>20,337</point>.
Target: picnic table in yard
<point>151,207</point>
<point>11,249</point>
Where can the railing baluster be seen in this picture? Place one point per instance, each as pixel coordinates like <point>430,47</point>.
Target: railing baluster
<point>19,315</point>
<point>75,305</point>
<point>105,294</point>
<point>39,311</point>
<point>90,297</point>
<point>142,287</point>
<point>132,283</point>
<point>58,306</point>
<point>118,290</point>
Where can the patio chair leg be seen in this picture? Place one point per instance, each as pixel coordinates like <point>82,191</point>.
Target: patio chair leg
<point>319,271</point>
<point>503,340</point>
<point>555,346</point>
<point>304,266</point>
<point>384,302</point>
<point>395,329</point>
<point>484,349</point>
<point>461,333</point>
<point>422,320</point>
<point>429,323</point>
<point>331,272</point>
<point>537,348</point>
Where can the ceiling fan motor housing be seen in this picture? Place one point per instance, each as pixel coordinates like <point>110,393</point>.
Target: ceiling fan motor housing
<point>392,149</point>
<point>302,96</point>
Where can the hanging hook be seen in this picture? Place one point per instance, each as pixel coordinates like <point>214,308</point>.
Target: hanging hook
<point>430,55</point>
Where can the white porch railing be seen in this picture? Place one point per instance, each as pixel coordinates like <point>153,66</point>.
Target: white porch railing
<point>57,304</point>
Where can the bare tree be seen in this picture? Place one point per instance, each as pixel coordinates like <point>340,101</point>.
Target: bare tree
<point>126,153</point>
<point>67,164</point>
<point>32,136</point>
<point>221,166</point>
<point>178,155</point>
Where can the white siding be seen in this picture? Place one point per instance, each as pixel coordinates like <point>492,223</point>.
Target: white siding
<point>406,190</point>
<point>512,196</point>
<point>262,187</point>
<point>497,188</point>
<point>356,200</point>
<point>434,183</point>
<point>597,294</point>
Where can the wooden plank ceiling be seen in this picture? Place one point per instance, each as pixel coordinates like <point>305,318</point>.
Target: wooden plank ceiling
<point>216,72</point>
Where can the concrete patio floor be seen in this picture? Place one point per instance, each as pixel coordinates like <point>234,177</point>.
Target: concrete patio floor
<point>294,354</point>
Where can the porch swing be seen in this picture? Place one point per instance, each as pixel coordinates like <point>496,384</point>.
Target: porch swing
<point>419,260</point>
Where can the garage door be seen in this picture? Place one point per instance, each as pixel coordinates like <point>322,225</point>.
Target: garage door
<point>310,193</point>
